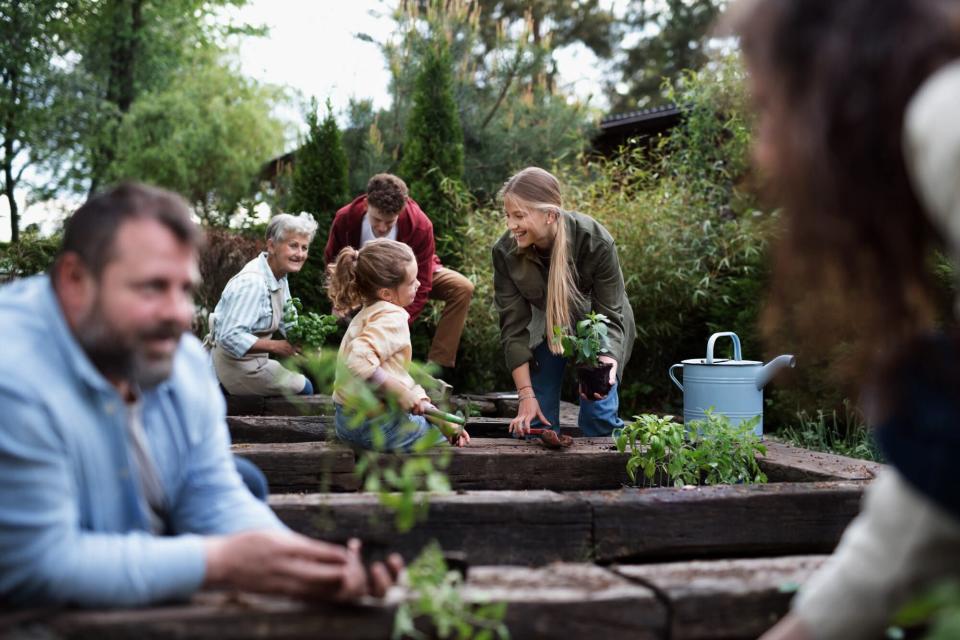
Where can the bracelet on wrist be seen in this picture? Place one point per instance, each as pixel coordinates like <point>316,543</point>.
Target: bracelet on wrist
<point>529,396</point>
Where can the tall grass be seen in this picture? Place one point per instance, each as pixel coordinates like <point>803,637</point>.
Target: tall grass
<point>845,433</point>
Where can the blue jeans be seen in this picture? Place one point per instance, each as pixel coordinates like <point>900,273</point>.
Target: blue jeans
<point>596,418</point>
<point>252,477</point>
<point>399,433</point>
<point>307,388</point>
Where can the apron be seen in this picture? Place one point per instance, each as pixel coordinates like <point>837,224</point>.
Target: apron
<point>255,374</point>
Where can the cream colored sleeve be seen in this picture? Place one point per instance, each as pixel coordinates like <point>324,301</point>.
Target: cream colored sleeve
<point>931,145</point>
<point>385,333</point>
<point>900,544</point>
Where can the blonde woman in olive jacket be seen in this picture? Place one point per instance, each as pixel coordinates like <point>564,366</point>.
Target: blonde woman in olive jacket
<point>551,268</point>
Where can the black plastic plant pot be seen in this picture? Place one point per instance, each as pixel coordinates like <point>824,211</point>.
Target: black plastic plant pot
<point>594,379</point>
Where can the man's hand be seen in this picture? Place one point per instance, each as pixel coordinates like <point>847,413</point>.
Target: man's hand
<point>291,564</point>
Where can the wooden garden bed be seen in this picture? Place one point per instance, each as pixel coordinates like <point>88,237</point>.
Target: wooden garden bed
<point>722,599</point>
<point>508,464</point>
<point>267,429</point>
<point>539,527</point>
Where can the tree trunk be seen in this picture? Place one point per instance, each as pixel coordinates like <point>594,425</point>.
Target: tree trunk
<point>9,182</point>
<point>121,81</point>
<point>8,186</point>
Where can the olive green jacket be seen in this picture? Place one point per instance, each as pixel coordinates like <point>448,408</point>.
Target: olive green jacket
<point>520,290</point>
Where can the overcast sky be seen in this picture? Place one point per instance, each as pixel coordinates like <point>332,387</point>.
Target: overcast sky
<point>312,48</point>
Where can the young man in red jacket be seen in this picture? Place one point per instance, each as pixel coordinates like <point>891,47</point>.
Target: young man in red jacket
<point>386,211</point>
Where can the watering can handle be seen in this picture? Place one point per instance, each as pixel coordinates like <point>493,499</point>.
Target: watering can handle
<point>673,377</point>
<point>737,355</point>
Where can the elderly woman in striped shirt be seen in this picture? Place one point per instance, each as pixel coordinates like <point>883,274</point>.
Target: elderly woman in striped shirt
<point>250,312</point>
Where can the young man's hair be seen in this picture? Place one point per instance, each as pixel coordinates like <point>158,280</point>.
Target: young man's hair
<point>90,232</point>
<point>387,193</point>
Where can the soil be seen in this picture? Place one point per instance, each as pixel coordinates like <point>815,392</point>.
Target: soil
<point>595,379</point>
<point>551,440</point>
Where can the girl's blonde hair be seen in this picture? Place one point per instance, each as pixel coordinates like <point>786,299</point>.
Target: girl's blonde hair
<point>355,277</point>
<point>534,189</point>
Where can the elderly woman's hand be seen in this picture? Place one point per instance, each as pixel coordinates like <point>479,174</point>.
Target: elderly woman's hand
<point>283,349</point>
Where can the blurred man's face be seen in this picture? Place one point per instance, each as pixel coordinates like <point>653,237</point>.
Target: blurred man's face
<point>140,306</point>
<point>380,222</point>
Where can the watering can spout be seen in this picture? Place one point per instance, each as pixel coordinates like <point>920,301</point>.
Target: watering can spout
<point>771,368</point>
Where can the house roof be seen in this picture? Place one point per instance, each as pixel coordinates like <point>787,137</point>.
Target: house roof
<point>617,129</point>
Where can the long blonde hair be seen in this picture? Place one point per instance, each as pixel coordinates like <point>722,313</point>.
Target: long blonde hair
<point>356,276</point>
<point>534,189</point>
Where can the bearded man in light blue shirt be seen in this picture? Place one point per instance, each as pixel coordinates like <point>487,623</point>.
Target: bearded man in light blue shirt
<point>117,486</point>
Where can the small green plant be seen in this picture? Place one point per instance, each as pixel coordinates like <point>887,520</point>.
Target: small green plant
<point>709,451</point>
<point>938,609</point>
<point>405,490</point>
<point>436,594</point>
<point>589,342</point>
<point>308,329</point>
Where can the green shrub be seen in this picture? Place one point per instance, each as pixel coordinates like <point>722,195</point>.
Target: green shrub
<point>30,255</point>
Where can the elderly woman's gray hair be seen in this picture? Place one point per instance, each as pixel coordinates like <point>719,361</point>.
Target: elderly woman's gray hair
<point>284,224</point>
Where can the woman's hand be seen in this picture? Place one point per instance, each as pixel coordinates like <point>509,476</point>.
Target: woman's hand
<point>613,377</point>
<point>283,349</point>
<point>528,410</point>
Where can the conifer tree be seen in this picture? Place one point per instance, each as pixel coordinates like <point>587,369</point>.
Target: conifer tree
<point>432,162</point>
<point>320,187</point>
<point>320,170</point>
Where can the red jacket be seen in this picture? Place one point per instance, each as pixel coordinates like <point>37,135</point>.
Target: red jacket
<point>413,228</point>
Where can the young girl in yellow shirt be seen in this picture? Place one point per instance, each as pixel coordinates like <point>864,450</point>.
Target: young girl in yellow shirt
<point>382,277</point>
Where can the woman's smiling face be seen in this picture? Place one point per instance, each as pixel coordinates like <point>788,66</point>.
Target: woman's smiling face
<point>528,226</point>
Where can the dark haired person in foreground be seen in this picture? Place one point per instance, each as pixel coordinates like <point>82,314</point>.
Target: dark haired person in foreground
<point>859,137</point>
<point>117,485</point>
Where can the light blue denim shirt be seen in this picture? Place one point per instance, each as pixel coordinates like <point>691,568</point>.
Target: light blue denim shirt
<point>244,307</point>
<point>72,528</point>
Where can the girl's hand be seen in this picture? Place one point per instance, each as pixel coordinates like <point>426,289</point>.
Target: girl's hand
<point>528,410</point>
<point>420,406</point>
<point>613,378</point>
<point>461,440</point>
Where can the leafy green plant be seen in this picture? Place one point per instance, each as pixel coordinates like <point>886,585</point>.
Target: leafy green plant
<point>589,342</point>
<point>308,329</point>
<point>436,594</point>
<point>404,485</point>
<point>709,451</point>
<point>938,609</point>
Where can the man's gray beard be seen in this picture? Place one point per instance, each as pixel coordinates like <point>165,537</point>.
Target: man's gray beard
<point>118,360</point>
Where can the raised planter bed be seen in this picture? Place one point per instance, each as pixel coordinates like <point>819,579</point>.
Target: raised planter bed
<point>539,527</point>
<point>508,464</point>
<point>725,599</point>
<point>267,429</point>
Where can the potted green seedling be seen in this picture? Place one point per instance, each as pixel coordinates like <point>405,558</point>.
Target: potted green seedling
<point>584,348</point>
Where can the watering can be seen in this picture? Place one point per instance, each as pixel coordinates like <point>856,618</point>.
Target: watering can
<point>734,388</point>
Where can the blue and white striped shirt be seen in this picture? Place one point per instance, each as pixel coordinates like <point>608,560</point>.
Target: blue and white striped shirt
<point>244,307</point>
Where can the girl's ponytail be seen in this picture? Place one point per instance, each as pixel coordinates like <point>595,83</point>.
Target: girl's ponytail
<point>356,276</point>
<point>342,280</point>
